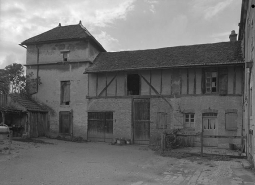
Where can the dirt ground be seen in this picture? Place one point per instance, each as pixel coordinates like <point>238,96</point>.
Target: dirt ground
<point>48,161</point>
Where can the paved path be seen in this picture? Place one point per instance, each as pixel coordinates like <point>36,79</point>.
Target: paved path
<point>64,163</point>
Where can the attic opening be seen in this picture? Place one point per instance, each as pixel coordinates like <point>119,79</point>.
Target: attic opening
<point>133,84</point>
<point>65,54</point>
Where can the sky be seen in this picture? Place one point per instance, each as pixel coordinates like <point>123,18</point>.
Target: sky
<point>118,24</point>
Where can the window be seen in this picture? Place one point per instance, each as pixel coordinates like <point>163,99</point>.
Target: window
<point>211,82</point>
<point>231,120</point>
<point>65,54</point>
<point>65,92</point>
<point>209,121</point>
<point>133,84</point>
<point>189,120</point>
<point>161,120</point>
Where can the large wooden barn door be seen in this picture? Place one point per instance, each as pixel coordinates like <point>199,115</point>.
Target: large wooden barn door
<point>38,123</point>
<point>100,126</point>
<point>141,121</point>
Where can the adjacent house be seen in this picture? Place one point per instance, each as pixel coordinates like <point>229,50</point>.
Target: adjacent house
<point>59,57</point>
<point>247,37</point>
<point>139,94</point>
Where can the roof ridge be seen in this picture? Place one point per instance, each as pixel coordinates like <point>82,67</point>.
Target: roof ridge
<point>172,47</point>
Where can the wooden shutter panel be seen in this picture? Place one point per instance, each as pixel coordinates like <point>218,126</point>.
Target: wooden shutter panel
<point>223,81</point>
<point>231,121</point>
<point>203,82</point>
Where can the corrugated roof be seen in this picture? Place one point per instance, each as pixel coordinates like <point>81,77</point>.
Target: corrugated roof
<point>193,55</point>
<point>59,33</point>
<point>29,104</point>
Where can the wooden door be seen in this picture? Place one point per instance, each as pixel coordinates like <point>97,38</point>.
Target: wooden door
<point>210,128</point>
<point>100,126</point>
<point>33,124</point>
<point>141,121</point>
<point>64,122</point>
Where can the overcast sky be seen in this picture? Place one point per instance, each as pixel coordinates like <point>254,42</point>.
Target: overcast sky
<point>118,24</point>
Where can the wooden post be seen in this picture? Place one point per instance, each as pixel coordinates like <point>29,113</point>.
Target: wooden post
<point>10,141</point>
<point>3,117</point>
<point>202,139</point>
<point>163,138</point>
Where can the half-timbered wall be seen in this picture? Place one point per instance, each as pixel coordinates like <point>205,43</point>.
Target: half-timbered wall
<point>175,82</point>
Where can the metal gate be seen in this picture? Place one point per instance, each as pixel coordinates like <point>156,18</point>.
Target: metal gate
<point>141,121</point>
<point>100,126</point>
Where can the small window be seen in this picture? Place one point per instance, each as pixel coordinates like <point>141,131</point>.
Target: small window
<point>133,84</point>
<point>65,54</point>
<point>189,120</point>
<point>161,120</point>
<point>211,82</point>
<point>65,92</point>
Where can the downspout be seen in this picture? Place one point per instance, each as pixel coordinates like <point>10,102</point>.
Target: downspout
<point>37,72</point>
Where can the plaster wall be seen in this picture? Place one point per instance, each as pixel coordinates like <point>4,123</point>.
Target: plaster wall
<point>122,126</point>
<point>249,94</point>
<point>50,90</point>
<point>51,52</point>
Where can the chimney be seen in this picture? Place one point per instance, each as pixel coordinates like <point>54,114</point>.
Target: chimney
<point>233,36</point>
<point>80,22</point>
<point>59,25</point>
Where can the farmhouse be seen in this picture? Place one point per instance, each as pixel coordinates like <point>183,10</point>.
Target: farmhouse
<point>137,95</point>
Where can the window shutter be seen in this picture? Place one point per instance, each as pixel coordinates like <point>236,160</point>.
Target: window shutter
<point>231,121</point>
<point>203,82</point>
<point>223,81</point>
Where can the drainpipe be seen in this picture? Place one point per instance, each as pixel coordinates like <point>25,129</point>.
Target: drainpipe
<point>37,72</point>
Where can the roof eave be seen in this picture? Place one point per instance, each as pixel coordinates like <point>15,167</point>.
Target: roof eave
<point>166,67</point>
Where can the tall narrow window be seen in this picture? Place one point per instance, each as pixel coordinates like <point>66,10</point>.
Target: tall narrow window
<point>211,82</point>
<point>189,120</point>
<point>133,84</point>
<point>65,92</point>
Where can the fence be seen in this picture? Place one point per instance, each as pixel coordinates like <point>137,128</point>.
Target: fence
<point>174,140</point>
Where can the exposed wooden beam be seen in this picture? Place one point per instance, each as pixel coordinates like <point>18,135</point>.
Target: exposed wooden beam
<point>157,93</point>
<point>107,85</point>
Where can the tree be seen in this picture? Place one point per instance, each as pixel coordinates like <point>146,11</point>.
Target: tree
<point>18,81</point>
<point>16,77</point>
<point>4,82</point>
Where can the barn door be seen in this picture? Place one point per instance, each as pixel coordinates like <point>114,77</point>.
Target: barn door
<point>100,126</point>
<point>33,124</point>
<point>141,121</point>
<point>65,122</point>
<point>210,127</point>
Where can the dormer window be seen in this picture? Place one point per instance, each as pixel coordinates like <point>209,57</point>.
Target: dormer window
<point>65,54</point>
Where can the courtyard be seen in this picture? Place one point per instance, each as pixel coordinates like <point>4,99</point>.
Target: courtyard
<point>56,162</point>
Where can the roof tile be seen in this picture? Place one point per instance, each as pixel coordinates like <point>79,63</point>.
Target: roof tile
<point>203,54</point>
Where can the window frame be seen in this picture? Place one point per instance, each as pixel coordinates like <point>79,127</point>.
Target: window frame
<point>65,55</point>
<point>62,102</point>
<point>127,89</point>
<point>190,123</point>
<point>211,81</point>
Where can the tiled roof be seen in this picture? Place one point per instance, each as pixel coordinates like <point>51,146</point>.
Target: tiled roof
<point>9,109</point>
<point>29,104</point>
<point>59,33</point>
<point>193,55</point>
